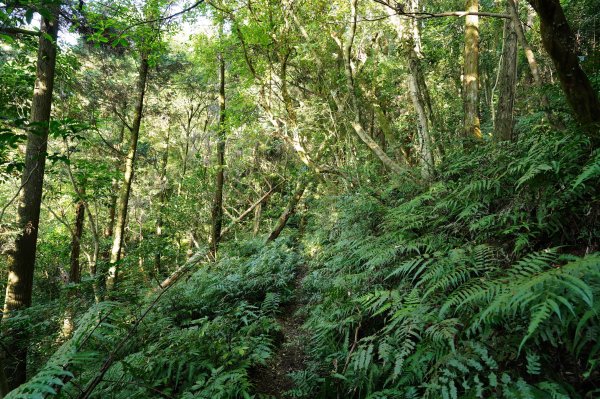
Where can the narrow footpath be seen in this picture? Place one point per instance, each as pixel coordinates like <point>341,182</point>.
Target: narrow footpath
<point>273,379</point>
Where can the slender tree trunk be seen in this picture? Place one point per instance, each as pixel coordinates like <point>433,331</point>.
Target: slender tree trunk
<point>75,268</point>
<point>289,209</point>
<point>217,208</point>
<point>424,139</point>
<point>112,210</point>
<point>559,42</point>
<point>356,123</point>
<point>256,221</point>
<point>162,199</point>
<point>123,201</point>
<point>507,82</point>
<point>471,72</point>
<point>408,32</point>
<point>530,56</point>
<point>21,260</point>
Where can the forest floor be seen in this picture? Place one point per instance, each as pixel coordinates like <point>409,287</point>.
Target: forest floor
<point>273,379</point>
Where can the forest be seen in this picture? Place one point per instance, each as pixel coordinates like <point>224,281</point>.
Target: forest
<point>300,199</point>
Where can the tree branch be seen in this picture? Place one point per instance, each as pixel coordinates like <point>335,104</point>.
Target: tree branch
<point>18,31</point>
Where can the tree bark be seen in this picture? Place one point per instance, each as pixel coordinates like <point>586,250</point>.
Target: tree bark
<point>289,209</point>
<point>21,260</point>
<point>471,72</point>
<point>217,208</point>
<point>507,82</point>
<point>123,201</point>
<point>559,42</point>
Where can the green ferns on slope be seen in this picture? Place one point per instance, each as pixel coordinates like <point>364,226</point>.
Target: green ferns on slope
<point>484,284</point>
<point>200,341</point>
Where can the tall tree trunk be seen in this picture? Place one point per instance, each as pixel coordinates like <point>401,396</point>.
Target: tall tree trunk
<point>559,42</point>
<point>217,208</point>
<point>471,72</point>
<point>123,201</point>
<point>21,260</point>
<point>356,123</point>
<point>289,209</point>
<point>508,80</point>
<point>162,199</point>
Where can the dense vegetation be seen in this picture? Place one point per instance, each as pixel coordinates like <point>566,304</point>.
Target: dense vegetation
<point>309,199</point>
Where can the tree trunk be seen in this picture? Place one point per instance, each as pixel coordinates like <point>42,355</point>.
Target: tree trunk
<point>408,33</point>
<point>75,269</point>
<point>559,42</point>
<point>21,260</point>
<point>217,208</point>
<point>471,72</point>
<point>289,209</point>
<point>507,82</point>
<point>424,139</point>
<point>162,199</point>
<point>112,210</point>
<point>356,123</point>
<point>123,201</point>
<point>531,61</point>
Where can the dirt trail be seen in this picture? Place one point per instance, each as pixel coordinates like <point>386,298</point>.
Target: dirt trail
<point>273,380</point>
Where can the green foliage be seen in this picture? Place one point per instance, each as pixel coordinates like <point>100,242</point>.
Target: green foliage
<point>201,340</point>
<point>442,294</point>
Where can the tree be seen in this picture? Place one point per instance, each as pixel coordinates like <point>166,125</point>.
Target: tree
<point>507,81</point>
<point>352,93</point>
<point>217,208</point>
<point>22,256</point>
<point>409,32</point>
<point>123,201</point>
<point>560,44</point>
<point>531,61</point>
<point>471,72</point>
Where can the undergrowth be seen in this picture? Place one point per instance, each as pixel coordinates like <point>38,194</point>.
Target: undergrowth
<point>483,284</point>
<point>201,340</point>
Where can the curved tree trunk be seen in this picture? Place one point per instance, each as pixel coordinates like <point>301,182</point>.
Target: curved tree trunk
<point>507,81</point>
<point>559,42</point>
<point>21,261</point>
<point>471,72</point>
<point>123,202</point>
